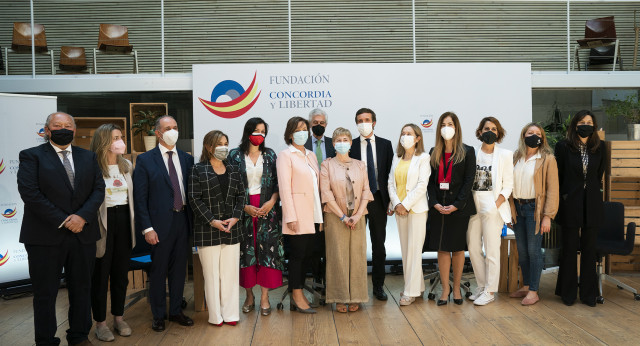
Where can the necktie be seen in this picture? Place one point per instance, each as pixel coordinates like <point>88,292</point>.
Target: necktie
<point>371,168</point>
<point>67,167</point>
<point>175,183</point>
<point>319,151</point>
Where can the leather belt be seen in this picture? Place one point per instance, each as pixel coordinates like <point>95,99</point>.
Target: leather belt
<point>524,201</point>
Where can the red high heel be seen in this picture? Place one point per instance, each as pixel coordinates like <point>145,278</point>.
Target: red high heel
<point>231,323</point>
<point>218,324</point>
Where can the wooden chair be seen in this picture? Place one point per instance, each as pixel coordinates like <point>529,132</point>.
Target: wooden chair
<point>72,59</point>
<point>601,40</point>
<point>114,40</point>
<point>21,42</point>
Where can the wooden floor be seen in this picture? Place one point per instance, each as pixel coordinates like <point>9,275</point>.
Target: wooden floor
<point>505,321</point>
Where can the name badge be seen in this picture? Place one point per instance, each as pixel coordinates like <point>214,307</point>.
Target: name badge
<point>444,186</point>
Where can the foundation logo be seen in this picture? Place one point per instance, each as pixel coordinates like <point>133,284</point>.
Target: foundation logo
<point>2,167</point>
<point>41,132</point>
<point>427,122</point>
<point>5,258</point>
<point>241,100</point>
<point>9,213</point>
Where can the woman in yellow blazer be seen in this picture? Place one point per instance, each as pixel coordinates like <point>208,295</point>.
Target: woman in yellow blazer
<point>534,202</point>
<point>298,180</point>
<point>408,182</point>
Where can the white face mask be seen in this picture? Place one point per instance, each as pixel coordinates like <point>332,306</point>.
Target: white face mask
<point>170,137</point>
<point>407,141</point>
<point>365,129</point>
<point>447,132</point>
<point>221,152</point>
<point>300,137</point>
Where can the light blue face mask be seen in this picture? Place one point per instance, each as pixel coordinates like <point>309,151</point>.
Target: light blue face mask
<point>342,147</point>
<point>300,137</point>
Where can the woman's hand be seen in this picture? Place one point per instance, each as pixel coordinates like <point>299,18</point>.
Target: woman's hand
<point>390,212</point>
<point>545,226</point>
<point>439,208</point>
<point>220,225</point>
<point>401,210</point>
<point>448,209</point>
<point>230,223</point>
<point>293,226</point>
<point>353,220</point>
<point>499,201</point>
<point>266,208</point>
<point>251,210</point>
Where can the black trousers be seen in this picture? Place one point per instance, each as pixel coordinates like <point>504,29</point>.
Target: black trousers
<point>317,258</point>
<point>567,284</point>
<point>169,260</point>
<point>300,251</point>
<point>45,268</point>
<point>377,221</point>
<point>111,270</point>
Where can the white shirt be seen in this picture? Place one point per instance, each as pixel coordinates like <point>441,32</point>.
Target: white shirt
<point>116,191</point>
<point>523,187</point>
<point>317,206</point>
<point>363,153</point>
<point>254,174</point>
<point>176,163</point>
<point>61,156</point>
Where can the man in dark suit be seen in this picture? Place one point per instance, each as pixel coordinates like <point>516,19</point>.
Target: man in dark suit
<point>162,215</point>
<point>322,147</point>
<point>377,153</point>
<point>62,188</point>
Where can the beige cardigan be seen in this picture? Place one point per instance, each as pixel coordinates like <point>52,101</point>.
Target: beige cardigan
<point>547,187</point>
<point>333,186</point>
<point>101,244</point>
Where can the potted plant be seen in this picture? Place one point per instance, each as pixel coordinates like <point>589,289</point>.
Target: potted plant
<point>146,125</point>
<point>629,109</point>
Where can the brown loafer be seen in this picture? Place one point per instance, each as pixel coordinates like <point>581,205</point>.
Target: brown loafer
<point>530,301</point>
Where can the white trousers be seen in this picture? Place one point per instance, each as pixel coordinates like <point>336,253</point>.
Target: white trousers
<point>485,229</point>
<point>221,271</point>
<point>412,229</point>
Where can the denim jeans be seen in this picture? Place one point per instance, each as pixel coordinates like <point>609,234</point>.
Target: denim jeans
<point>529,245</point>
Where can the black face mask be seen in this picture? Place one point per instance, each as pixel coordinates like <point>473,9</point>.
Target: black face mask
<point>318,130</point>
<point>62,136</point>
<point>489,137</point>
<point>533,141</point>
<point>585,131</point>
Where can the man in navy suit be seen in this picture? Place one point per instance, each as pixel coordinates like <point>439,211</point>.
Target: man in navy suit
<point>162,215</point>
<point>377,153</point>
<point>62,188</point>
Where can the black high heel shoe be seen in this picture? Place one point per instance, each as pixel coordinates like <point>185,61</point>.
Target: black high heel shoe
<point>458,301</point>
<point>444,302</point>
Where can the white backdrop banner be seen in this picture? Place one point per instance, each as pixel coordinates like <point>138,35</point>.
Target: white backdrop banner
<point>23,118</point>
<point>225,96</point>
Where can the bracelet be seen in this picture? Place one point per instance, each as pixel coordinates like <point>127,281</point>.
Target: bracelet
<point>343,217</point>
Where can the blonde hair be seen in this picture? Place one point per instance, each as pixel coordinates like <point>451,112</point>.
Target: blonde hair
<point>459,152</point>
<point>543,149</point>
<point>419,145</point>
<point>341,131</point>
<point>100,144</point>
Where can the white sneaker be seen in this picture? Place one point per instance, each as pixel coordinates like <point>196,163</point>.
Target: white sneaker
<point>484,299</point>
<point>476,293</point>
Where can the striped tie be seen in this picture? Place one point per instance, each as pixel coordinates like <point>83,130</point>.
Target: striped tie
<point>67,167</point>
<point>319,152</point>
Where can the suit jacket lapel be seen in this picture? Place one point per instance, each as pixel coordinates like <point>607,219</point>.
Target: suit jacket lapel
<point>183,168</point>
<point>355,149</point>
<point>379,156</point>
<point>157,154</point>
<point>55,160</point>
<point>495,167</point>
<point>77,163</point>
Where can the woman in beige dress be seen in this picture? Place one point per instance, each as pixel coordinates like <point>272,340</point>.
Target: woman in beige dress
<point>344,188</point>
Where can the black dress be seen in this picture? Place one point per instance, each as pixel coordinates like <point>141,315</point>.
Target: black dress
<point>449,232</point>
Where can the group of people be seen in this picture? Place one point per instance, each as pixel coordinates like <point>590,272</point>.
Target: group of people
<point>247,208</point>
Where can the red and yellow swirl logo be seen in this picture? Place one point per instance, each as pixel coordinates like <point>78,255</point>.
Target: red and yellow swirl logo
<point>241,100</point>
<point>2,167</point>
<point>5,258</point>
<point>9,213</point>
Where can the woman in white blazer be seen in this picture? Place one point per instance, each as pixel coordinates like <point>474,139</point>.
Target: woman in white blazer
<point>117,237</point>
<point>491,190</point>
<point>408,194</point>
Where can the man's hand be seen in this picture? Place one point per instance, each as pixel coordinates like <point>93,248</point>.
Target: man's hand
<point>151,237</point>
<point>74,223</point>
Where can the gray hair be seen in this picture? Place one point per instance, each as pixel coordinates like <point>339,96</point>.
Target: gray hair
<point>318,111</point>
<point>157,125</point>
<point>48,121</point>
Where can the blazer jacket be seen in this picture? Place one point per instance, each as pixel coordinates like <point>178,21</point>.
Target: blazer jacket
<point>296,189</point>
<point>49,198</point>
<point>153,192</point>
<point>328,147</point>
<point>269,251</point>
<point>417,180</point>
<point>545,182</point>
<point>101,244</point>
<point>384,158</point>
<point>459,194</point>
<point>205,197</point>
<point>333,178</point>
<point>502,178</point>
<point>571,212</point>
